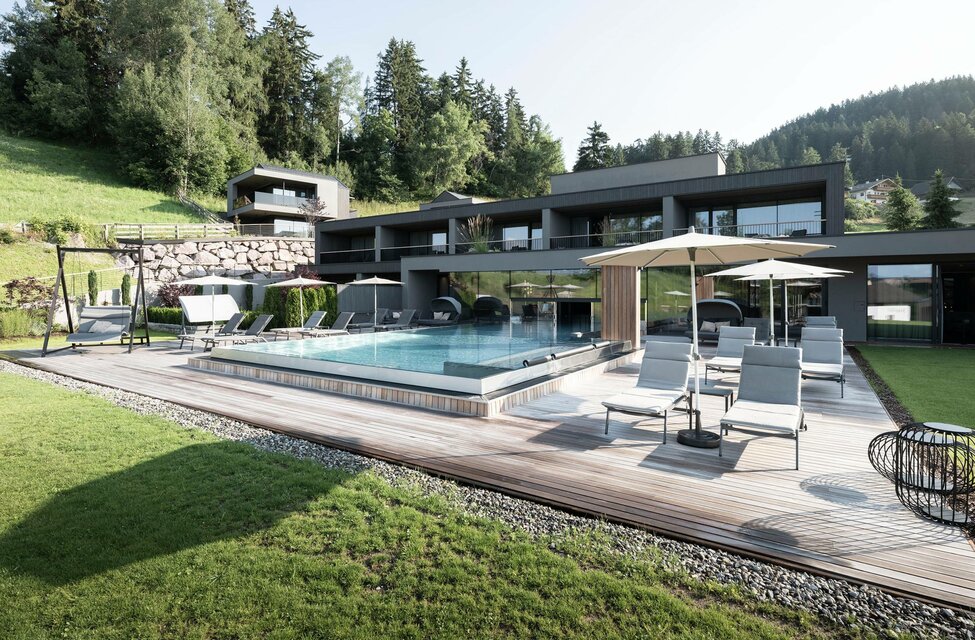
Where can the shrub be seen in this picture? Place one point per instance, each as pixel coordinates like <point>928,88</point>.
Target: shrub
<point>127,289</point>
<point>29,292</point>
<point>274,304</point>
<point>249,317</point>
<point>169,294</point>
<point>850,225</point>
<point>92,288</point>
<point>248,297</point>
<point>165,315</point>
<point>19,323</point>
<point>7,236</point>
<point>59,230</point>
<point>477,231</point>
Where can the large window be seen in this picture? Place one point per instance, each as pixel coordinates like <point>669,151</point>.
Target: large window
<point>772,218</point>
<point>899,302</point>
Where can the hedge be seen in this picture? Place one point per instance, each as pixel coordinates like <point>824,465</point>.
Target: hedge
<point>165,315</point>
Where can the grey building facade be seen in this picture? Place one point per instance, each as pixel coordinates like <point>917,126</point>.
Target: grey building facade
<point>530,254</point>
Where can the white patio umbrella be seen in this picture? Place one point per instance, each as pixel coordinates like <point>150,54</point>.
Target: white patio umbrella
<point>301,283</point>
<point>213,282</point>
<point>772,270</point>
<point>375,281</point>
<point>692,249</point>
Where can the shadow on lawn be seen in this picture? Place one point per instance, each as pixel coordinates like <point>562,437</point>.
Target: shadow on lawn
<point>192,496</point>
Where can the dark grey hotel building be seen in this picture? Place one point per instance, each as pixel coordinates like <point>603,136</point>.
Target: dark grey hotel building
<point>913,286</point>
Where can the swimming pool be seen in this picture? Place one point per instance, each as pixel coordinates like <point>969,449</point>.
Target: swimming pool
<point>467,358</point>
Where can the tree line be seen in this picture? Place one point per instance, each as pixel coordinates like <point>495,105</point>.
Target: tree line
<point>192,92</point>
<point>911,132</point>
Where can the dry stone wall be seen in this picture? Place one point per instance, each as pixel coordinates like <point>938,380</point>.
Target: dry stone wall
<point>256,258</point>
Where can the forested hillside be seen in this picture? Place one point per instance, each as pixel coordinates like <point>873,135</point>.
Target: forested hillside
<point>910,131</point>
<point>186,93</point>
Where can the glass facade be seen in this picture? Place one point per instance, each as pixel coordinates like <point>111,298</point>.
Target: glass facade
<point>900,302</point>
<point>773,218</point>
<point>570,295</point>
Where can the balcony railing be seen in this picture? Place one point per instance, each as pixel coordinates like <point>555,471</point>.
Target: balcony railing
<point>797,229</point>
<point>395,253</point>
<point>613,239</point>
<point>493,246</point>
<point>260,197</point>
<point>346,256</point>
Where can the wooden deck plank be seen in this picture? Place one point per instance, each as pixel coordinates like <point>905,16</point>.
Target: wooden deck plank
<point>835,516</point>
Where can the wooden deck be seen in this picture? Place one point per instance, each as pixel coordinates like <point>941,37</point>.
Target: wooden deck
<point>835,516</point>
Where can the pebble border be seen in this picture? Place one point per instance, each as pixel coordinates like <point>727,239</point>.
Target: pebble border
<point>851,606</point>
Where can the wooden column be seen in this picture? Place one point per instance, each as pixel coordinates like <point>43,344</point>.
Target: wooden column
<point>621,304</point>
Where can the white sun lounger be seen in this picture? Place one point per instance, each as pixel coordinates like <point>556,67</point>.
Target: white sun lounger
<point>731,343</point>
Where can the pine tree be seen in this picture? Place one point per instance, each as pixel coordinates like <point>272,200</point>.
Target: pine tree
<point>594,151</point>
<point>939,208</point>
<point>462,84</point>
<point>515,122</point>
<point>289,59</point>
<point>243,15</point>
<point>810,156</point>
<point>902,211</point>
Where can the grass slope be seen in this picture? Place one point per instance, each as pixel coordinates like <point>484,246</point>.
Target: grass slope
<point>45,180</point>
<point>933,383</point>
<point>38,259</point>
<point>119,525</point>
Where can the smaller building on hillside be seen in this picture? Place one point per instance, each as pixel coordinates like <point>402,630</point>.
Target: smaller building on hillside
<point>873,191</point>
<point>450,199</point>
<point>921,189</point>
<point>277,197</point>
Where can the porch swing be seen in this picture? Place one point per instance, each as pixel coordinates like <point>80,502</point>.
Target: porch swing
<point>97,325</point>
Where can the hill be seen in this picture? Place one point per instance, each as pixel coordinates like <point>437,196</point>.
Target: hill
<point>911,131</point>
<point>45,180</point>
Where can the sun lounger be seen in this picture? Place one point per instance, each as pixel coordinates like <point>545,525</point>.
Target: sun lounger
<point>405,321</point>
<point>253,334</point>
<point>822,355</point>
<point>661,386</point>
<point>228,329</point>
<point>99,325</point>
<point>769,396</point>
<point>821,321</point>
<point>731,343</point>
<point>372,320</point>
<point>338,328</point>
<point>311,323</point>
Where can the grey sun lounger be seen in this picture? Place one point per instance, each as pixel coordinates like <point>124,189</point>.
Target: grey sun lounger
<point>822,355</point>
<point>229,328</point>
<point>661,386</point>
<point>769,396</point>
<point>311,323</point>
<point>821,321</point>
<point>99,325</point>
<point>253,334</point>
<point>405,321</point>
<point>731,344</point>
<point>376,320</point>
<point>338,328</point>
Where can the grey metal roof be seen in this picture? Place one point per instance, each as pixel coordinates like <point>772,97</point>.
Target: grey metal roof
<point>298,172</point>
<point>868,184</point>
<point>922,188</point>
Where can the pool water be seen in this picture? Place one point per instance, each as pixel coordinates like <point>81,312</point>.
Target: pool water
<point>471,351</point>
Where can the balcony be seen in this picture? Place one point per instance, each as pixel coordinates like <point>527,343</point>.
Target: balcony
<point>494,246</point>
<point>259,199</point>
<point>346,256</point>
<point>612,239</point>
<point>395,253</point>
<point>796,229</point>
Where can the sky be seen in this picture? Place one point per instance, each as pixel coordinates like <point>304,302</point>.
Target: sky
<point>738,67</point>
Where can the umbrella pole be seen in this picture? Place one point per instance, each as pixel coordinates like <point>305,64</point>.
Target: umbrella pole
<point>771,312</point>
<point>375,307</point>
<point>696,437</point>
<point>785,312</point>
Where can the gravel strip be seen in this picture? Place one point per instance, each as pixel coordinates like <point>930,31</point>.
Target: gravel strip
<point>845,604</point>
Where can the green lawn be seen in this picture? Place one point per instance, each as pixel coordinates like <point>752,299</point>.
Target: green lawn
<point>38,259</point>
<point>121,526</point>
<point>47,180</point>
<point>932,383</point>
<point>365,208</point>
<point>57,340</point>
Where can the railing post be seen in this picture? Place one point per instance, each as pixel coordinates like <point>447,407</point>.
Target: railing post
<point>177,230</point>
<point>142,232</point>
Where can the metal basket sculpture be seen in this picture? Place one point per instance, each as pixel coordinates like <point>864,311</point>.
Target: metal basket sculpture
<point>882,452</point>
<point>934,471</point>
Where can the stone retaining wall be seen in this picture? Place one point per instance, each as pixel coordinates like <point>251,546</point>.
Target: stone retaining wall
<point>253,257</point>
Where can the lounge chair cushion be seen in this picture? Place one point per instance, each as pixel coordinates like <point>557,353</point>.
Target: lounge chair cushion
<point>824,369</point>
<point>94,338</point>
<point>641,400</point>
<point>785,418</point>
<point>724,362</point>
<point>103,326</point>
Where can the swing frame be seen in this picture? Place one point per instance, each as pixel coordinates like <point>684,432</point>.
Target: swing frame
<point>61,292</point>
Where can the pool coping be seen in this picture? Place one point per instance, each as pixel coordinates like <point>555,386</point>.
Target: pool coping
<point>486,406</point>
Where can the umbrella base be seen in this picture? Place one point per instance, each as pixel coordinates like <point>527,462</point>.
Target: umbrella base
<point>699,439</point>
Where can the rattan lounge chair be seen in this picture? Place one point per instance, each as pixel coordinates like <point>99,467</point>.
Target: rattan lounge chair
<point>769,396</point>
<point>661,386</point>
<point>822,355</point>
<point>253,334</point>
<point>731,344</point>
<point>338,328</point>
<point>312,322</point>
